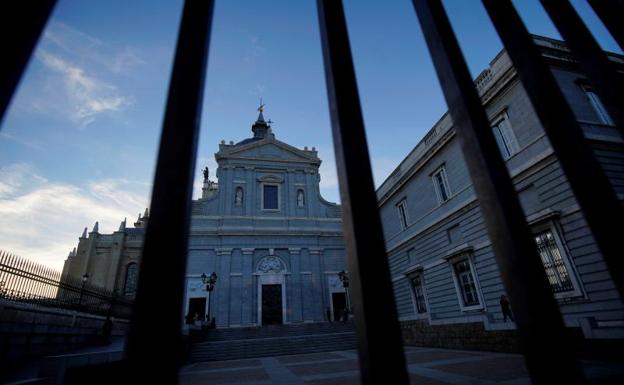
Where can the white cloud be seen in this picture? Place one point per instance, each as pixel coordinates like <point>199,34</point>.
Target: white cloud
<point>79,45</point>
<point>17,138</point>
<point>86,95</point>
<point>42,219</point>
<point>80,77</point>
<point>254,51</point>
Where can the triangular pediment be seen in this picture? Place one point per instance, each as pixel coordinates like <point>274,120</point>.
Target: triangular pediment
<point>269,149</point>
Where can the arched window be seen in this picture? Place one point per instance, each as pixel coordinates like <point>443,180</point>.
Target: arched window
<point>238,196</point>
<point>131,279</point>
<point>300,198</point>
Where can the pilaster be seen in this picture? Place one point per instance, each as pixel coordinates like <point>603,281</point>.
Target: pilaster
<point>221,291</point>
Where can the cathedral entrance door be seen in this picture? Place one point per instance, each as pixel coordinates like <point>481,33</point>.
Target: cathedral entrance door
<point>197,310</point>
<point>339,303</point>
<point>272,305</point>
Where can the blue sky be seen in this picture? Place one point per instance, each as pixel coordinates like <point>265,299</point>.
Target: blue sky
<point>79,142</point>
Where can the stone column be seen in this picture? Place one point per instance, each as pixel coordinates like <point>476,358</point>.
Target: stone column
<point>295,289</point>
<point>248,288</point>
<point>318,303</point>
<point>221,293</point>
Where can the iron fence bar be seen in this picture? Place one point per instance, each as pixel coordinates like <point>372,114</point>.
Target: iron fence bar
<point>588,181</point>
<point>21,24</point>
<point>543,337</point>
<point>611,12</point>
<point>166,239</point>
<point>592,59</point>
<point>380,348</point>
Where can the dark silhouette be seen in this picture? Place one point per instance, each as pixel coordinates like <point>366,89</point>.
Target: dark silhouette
<point>213,323</point>
<point>107,330</point>
<point>328,313</point>
<point>345,315</point>
<point>504,302</point>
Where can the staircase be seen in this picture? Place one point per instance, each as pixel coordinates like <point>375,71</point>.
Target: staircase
<point>274,340</point>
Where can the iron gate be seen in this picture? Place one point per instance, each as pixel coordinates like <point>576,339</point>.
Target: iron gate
<point>548,354</point>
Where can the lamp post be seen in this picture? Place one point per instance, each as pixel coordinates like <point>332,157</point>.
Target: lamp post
<point>344,278</point>
<point>209,281</point>
<point>84,281</point>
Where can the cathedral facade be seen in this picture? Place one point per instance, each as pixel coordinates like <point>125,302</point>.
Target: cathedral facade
<point>274,243</point>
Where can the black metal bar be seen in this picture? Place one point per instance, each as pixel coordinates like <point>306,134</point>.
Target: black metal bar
<point>547,350</point>
<point>611,13</point>
<point>588,181</point>
<point>593,60</point>
<point>21,24</point>
<point>380,346</point>
<point>28,282</point>
<point>163,265</point>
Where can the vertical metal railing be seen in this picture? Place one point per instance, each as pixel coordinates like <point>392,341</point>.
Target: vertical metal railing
<point>21,24</point>
<point>593,60</point>
<point>537,314</point>
<point>590,185</point>
<point>610,12</point>
<point>378,332</point>
<point>155,328</point>
<point>154,340</point>
<point>24,281</point>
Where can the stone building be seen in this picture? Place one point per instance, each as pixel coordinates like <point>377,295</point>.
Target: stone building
<point>275,244</point>
<point>109,261</point>
<point>446,281</point>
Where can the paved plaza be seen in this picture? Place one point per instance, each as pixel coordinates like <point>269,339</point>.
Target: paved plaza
<point>427,366</point>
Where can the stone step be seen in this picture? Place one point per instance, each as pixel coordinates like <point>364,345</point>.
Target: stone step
<point>228,334</point>
<point>272,346</point>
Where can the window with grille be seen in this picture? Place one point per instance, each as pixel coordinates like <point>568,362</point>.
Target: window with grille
<point>599,108</point>
<point>419,293</point>
<point>270,199</point>
<point>440,182</point>
<point>466,283</point>
<point>505,138</point>
<point>402,209</point>
<point>556,269</point>
<point>131,279</point>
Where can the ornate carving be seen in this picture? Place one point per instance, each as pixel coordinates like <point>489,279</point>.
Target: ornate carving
<point>271,265</point>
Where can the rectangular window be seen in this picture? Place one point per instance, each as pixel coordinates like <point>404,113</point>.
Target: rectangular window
<point>270,197</point>
<point>599,108</point>
<point>402,208</point>
<point>556,269</point>
<point>505,138</point>
<point>466,283</point>
<point>419,293</point>
<point>441,185</point>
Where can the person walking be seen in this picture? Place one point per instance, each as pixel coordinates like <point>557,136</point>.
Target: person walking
<point>504,302</point>
<point>328,313</point>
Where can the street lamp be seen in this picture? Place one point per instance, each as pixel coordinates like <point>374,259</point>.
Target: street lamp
<point>84,281</point>
<point>209,281</point>
<point>344,278</point>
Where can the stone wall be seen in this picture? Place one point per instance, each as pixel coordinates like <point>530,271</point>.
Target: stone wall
<point>28,331</point>
<point>471,336</point>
